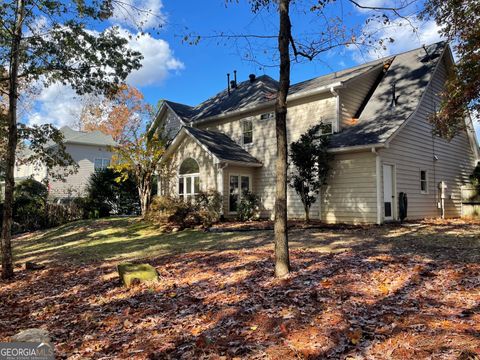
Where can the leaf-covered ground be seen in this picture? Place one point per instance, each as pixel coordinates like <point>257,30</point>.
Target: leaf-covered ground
<point>390,292</point>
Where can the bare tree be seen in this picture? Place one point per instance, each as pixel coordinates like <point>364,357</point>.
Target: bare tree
<point>333,33</point>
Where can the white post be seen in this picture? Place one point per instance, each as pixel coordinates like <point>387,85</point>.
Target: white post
<point>220,182</point>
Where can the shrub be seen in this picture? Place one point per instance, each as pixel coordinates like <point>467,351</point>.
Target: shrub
<point>29,207</point>
<point>210,207</point>
<point>475,177</point>
<point>205,210</point>
<point>248,208</point>
<point>106,195</point>
<point>59,214</point>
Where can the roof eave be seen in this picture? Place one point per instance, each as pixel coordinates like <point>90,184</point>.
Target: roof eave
<point>356,148</point>
<point>241,163</point>
<point>300,95</point>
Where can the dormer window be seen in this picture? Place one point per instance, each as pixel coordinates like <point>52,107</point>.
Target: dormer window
<point>247,132</point>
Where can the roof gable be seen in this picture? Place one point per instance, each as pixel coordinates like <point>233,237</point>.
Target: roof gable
<point>86,138</point>
<point>219,145</point>
<point>262,90</point>
<point>410,73</point>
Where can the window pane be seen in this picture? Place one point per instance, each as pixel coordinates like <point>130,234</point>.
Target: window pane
<point>106,163</point>
<point>188,188</point>
<point>189,166</point>
<point>247,126</point>
<point>196,184</point>
<point>423,180</point>
<point>266,116</point>
<point>247,138</point>
<point>247,132</point>
<point>423,185</point>
<point>98,164</point>
<point>388,209</point>
<point>180,186</point>
<point>233,199</point>
<point>245,184</point>
<point>327,128</point>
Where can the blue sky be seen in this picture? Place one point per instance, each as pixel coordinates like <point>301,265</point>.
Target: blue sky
<point>191,73</point>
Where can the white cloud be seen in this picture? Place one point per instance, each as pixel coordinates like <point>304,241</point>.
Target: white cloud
<point>158,60</point>
<point>144,14</point>
<point>374,4</point>
<point>407,34</point>
<point>60,105</point>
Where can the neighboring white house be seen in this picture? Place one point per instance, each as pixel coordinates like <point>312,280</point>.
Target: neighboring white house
<point>90,150</point>
<point>382,141</point>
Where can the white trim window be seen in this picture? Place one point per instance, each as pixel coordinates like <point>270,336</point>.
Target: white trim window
<point>238,185</point>
<point>188,179</point>
<point>100,164</point>
<point>247,132</point>
<point>424,181</point>
<point>267,116</point>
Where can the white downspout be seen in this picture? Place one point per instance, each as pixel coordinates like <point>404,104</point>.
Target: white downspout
<point>220,182</point>
<point>336,125</point>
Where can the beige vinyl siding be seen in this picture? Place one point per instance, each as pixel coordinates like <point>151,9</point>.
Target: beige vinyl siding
<point>302,114</point>
<point>413,150</point>
<point>84,155</point>
<point>191,149</point>
<point>353,95</point>
<point>351,193</point>
<point>35,170</point>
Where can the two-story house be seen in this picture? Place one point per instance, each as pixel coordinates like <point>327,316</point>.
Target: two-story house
<point>89,150</point>
<point>381,139</point>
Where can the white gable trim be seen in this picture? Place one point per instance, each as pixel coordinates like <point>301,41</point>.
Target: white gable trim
<point>177,141</point>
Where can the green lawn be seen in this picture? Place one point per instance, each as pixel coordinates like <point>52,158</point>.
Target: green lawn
<point>131,238</point>
<point>110,239</point>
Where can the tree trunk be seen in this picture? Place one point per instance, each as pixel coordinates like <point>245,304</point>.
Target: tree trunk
<point>145,193</point>
<point>6,241</point>
<point>282,261</point>
<point>307,214</point>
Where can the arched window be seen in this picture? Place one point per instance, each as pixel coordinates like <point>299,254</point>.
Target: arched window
<point>188,179</point>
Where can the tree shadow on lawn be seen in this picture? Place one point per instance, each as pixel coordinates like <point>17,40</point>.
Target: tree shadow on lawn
<point>228,304</point>
<point>130,238</point>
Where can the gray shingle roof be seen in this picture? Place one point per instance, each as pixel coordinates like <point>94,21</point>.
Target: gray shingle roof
<point>246,94</point>
<point>262,90</point>
<point>87,138</point>
<point>182,110</point>
<point>221,146</point>
<point>411,72</point>
<point>338,76</point>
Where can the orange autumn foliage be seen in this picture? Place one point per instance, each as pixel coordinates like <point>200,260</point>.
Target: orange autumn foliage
<point>117,114</point>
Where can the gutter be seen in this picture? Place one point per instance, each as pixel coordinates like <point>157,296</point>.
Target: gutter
<point>239,163</point>
<point>300,95</point>
<point>371,147</point>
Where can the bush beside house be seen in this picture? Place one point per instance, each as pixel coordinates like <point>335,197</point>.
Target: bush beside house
<point>204,211</point>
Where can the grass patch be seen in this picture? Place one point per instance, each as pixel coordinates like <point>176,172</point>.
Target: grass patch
<point>110,239</point>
